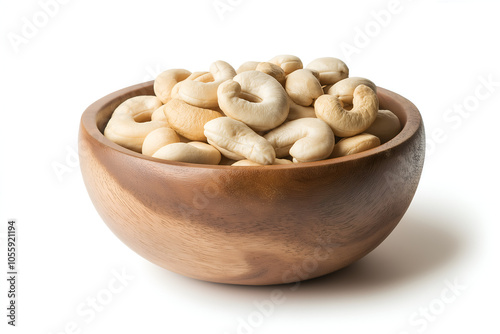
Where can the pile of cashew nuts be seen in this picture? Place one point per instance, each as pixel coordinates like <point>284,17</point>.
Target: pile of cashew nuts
<point>264,113</point>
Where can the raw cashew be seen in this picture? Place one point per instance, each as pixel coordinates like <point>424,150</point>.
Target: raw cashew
<point>237,138</point>
<point>288,63</point>
<point>298,111</point>
<point>202,76</point>
<point>273,70</point>
<point>157,139</point>
<point>305,139</point>
<point>331,70</point>
<point>127,132</point>
<point>248,66</point>
<point>140,107</point>
<point>166,80</point>
<point>303,87</point>
<point>356,144</point>
<point>344,89</point>
<point>159,114</point>
<point>254,98</point>
<point>386,126</point>
<point>204,94</point>
<point>346,123</point>
<point>247,162</point>
<point>194,152</point>
<point>188,120</point>
<point>131,122</point>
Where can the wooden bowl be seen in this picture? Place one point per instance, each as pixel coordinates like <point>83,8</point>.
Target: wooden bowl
<point>251,225</point>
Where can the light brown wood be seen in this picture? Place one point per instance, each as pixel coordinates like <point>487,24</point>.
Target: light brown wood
<point>251,225</point>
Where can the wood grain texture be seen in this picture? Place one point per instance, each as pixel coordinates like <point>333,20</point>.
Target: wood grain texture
<point>251,225</point>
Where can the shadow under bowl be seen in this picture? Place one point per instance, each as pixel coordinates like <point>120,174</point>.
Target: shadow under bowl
<point>251,225</point>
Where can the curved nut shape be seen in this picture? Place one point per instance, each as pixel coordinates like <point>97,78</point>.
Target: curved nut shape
<point>139,107</point>
<point>356,144</point>
<point>202,76</point>
<point>193,152</point>
<point>331,70</point>
<point>127,132</point>
<point>288,63</point>
<point>270,108</point>
<point>344,89</point>
<point>247,162</point>
<point>346,123</point>
<point>273,70</point>
<point>298,111</point>
<point>386,126</point>
<point>237,138</point>
<point>248,66</point>
<point>188,120</point>
<point>303,87</point>
<point>204,94</point>
<point>166,80</point>
<point>305,139</point>
<point>131,122</point>
<point>157,139</point>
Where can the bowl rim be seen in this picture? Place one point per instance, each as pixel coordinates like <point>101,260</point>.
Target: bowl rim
<point>412,123</point>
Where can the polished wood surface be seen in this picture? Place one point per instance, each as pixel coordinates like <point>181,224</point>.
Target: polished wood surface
<point>251,225</point>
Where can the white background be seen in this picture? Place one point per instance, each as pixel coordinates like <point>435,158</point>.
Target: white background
<point>436,53</point>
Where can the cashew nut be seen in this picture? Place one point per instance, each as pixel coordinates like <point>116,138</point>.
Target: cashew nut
<point>248,66</point>
<point>131,122</point>
<point>303,87</point>
<point>166,80</point>
<point>140,107</point>
<point>188,120</point>
<point>204,94</point>
<point>355,144</point>
<point>344,89</point>
<point>157,139</point>
<point>346,123</point>
<point>273,70</point>
<point>305,139</point>
<point>202,77</point>
<point>298,111</point>
<point>126,132</point>
<point>237,138</point>
<point>386,126</point>
<point>331,70</point>
<point>288,63</point>
<point>254,98</point>
<point>195,76</point>
<point>247,162</point>
<point>194,152</point>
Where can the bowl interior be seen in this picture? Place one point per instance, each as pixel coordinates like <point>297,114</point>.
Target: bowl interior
<point>95,118</point>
